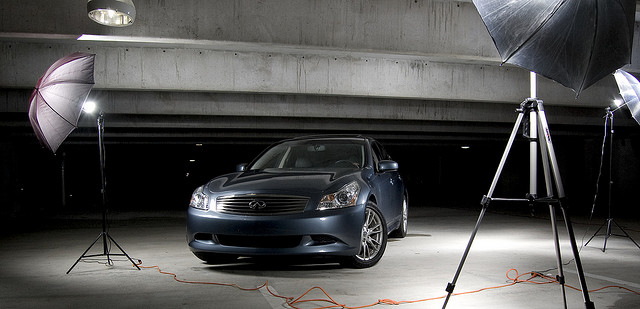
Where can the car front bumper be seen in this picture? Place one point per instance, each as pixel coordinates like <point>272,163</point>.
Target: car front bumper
<point>327,232</point>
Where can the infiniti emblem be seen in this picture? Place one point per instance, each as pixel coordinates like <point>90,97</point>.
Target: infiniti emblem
<point>257,204</point>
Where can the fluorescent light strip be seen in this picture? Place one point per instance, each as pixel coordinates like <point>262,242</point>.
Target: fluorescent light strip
<point>131,39</point>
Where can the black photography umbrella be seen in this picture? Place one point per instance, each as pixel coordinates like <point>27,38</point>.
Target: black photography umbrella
<point>573,42</point>
<point>56,102</point>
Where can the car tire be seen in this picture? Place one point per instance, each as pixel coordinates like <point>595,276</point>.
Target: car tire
<point>373,239</point>
<point>401,231</point>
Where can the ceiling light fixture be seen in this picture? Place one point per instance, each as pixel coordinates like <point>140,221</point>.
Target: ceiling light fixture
<point>114,13</point>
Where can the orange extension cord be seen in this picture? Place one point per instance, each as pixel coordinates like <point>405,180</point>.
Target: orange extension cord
<point>293,302</point>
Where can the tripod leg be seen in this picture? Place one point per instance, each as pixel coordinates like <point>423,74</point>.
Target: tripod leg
<point>626,234</point>
<point>122,250</point>
<point>607,235</point>
<point>85,252</point>
<point>554,227</point>
<point>576,255</point>
<point>560,276</point>
<point>451,286</point>
<point>595,234</point>
<point>485,203</point>
<point>533,154</point>
<point>561,195</point>
<point>505,154</point>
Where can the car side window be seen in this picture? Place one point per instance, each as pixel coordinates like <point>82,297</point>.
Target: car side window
<point>380,152</point>
<point>377,154</point>
<point>376,159</point>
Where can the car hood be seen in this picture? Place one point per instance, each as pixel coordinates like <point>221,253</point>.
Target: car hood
<point>285,181</point>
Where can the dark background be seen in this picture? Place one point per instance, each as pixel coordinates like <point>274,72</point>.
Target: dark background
<point>157,175</point>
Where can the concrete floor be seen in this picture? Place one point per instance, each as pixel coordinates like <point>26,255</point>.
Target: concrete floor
<point>33,265</point>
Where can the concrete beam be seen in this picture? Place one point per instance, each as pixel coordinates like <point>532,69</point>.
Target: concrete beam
<point>313,73</point>
<point>196,109</point>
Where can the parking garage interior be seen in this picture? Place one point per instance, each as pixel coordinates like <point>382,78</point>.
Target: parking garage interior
<point>193,88</point>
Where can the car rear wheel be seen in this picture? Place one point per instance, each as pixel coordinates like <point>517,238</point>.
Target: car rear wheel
<point>401,232</point>
<point>373,239</point>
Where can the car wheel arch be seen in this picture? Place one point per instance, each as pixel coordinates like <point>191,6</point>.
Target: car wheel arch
<point>401,229</point>
<point>372,198</point>
<point>378,220</point>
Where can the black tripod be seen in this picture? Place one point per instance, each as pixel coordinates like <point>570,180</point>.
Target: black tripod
<point>608,122</point>
<point>533,110</point>
<point>105,233</point>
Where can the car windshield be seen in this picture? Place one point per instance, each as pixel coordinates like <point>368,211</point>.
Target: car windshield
<point>313,155</point>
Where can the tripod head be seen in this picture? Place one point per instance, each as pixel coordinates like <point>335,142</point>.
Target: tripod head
<point>528,106</point>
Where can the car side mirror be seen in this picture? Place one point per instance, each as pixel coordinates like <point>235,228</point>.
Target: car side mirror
<point>387,166</point>
<point>241,167</point>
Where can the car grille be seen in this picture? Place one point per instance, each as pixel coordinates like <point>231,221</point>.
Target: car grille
<point>261,204</point>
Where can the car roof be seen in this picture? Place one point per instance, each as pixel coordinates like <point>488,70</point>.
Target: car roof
<point>330,136</point>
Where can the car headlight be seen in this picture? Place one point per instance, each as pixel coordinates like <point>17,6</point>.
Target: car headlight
<point>345,197</point>
<point>199,200</point>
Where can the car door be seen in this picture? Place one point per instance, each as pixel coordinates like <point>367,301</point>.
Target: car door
<point>389,187</point>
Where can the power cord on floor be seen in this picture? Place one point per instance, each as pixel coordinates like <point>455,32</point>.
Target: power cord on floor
<point>553,280</point>
<point>534,277</point>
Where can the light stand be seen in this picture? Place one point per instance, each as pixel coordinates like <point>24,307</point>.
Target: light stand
<point>537,122</point>
<point>105,233</point>
<point>608,223</point>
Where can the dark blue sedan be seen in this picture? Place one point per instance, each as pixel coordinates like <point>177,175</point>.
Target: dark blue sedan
<point>320,195</point>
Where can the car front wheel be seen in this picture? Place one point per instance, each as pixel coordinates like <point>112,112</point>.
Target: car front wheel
<point>373,239</point>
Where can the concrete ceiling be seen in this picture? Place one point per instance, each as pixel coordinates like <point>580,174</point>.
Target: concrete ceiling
<point>244,68</point>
